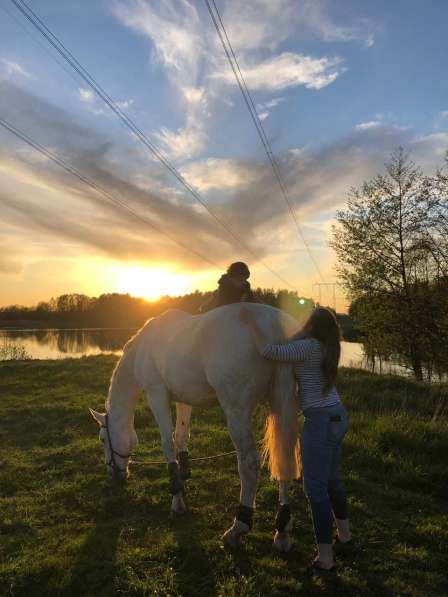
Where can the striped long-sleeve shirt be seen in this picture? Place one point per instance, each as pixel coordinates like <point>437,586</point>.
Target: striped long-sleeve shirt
<point>307,355</point>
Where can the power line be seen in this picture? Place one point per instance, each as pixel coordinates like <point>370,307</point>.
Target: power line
<point>40,44</point>
<point>256,119</point>
<point>71,170</point>
<point>52,39</point>
<point>228,49</point>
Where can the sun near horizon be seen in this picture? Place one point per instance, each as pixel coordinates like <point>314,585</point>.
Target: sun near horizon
<point>148,280</point>
<point>150,283</point>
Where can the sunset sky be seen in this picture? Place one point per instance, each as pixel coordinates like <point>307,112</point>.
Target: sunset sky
<point>338,86</point>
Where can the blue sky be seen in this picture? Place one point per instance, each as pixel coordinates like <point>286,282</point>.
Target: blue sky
<point>338,85</point>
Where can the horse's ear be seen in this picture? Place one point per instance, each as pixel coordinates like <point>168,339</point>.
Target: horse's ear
<point>99,418</point>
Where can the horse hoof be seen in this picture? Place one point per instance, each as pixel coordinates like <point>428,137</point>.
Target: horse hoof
<point>234,537</point>
<point>178,505</point>
<point>282,542</point>
<point>232,540</point>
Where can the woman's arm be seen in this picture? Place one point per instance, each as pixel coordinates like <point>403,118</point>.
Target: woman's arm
<point>290,352</point>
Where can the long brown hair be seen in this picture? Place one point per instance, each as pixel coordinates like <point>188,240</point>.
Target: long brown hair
<point>323,326</point>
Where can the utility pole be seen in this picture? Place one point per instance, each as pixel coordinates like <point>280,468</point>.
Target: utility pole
<point>331,285</point>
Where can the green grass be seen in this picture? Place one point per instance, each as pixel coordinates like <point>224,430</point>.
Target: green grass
<point>65,530</point>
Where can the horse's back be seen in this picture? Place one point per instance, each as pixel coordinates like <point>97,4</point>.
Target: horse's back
<point>227,345</point>
<point>195,355</point>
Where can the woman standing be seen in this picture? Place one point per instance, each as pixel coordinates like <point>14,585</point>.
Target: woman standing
<point>315,352</point>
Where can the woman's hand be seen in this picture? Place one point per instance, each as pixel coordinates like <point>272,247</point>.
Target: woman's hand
<point>245,315</point>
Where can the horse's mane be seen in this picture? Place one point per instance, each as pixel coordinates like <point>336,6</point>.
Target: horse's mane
<point>133,338</point>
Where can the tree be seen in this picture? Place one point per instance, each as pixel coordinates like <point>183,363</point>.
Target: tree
<point>392,247</point>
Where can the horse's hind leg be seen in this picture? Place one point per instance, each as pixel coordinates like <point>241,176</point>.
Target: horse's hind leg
<point>283,520</point>
<point>159,403</point>
<point>238,423</point>
<point>181,438</point>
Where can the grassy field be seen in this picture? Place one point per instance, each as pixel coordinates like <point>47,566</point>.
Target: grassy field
<point>65,530</point>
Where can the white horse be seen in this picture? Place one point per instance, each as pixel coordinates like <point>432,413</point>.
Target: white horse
<point>206,360</point>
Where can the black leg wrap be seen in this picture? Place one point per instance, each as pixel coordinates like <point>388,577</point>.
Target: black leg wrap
<point>176,483</point>
<point>245,514</point>
<point>283,517</point>
<point>184,465</point>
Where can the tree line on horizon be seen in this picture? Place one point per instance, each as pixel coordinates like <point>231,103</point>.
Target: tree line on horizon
<point>124,310</point>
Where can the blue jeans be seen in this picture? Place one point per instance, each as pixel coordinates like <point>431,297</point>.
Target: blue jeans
<point>320,444</point>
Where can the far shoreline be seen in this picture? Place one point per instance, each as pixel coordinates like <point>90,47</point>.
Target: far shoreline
<point>26,327</point>
<point>23,325</point>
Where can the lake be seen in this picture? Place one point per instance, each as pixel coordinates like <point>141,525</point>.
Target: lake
<point>59,344</point>
<point>75,343</point>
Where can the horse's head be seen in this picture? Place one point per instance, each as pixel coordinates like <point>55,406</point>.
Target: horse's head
<point>118,444</point>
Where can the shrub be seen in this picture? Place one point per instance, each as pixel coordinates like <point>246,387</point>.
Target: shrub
<point>9,351</point>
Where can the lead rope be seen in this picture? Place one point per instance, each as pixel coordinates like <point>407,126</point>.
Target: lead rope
<point>163,462</point>
<point>113,464</point>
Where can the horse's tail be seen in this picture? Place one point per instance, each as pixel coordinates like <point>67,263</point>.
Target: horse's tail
<point>280,442</point>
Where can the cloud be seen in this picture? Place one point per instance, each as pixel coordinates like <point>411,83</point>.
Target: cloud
<point>268,23</point>
<point>12,68</point>
<point>244,192</point>
<point>318,181</point>
<point>125,104</point>
<point>183,143</point>
<point>43,120</point>
<point>273,102</point>
<point>184,44</point>
<point>220,174</point>
<point>79,216</point>
<point>173,27</point>
<point>288,70</point>
<point>444,113</point>
<point>41,199</point>
<point>363,126</point>
<point>195,95</point>
<point>315,16</point>
<point>259,23</point>
<point>44,204</point>
<point>428,147</point>
<point>86,95</point>
<point>178,44</point>
<point>264,109</point>
<point>189,140</point>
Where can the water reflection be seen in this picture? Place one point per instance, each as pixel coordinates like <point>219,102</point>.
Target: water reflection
<point>56,344</point>
<point>51,344</point>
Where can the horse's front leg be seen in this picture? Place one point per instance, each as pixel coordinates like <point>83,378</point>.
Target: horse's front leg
<point>182,437</point>
<point>283,520</point>
<point>159,403</point>
<point>248,466</point>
